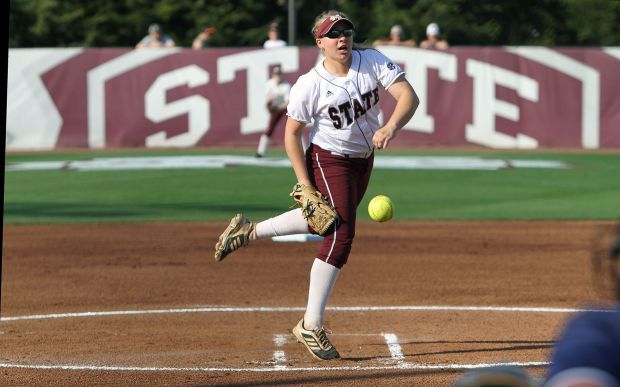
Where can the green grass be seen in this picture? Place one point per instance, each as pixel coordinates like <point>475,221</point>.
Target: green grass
<point>589,190</point>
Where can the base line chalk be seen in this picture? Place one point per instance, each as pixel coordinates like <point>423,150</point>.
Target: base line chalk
<point>264,309</point>
<point>400,366</point>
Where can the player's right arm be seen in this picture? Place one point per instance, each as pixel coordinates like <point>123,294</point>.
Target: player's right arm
<point>294,149</point>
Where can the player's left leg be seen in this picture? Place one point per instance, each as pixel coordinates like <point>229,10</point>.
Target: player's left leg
<point>344,182</point>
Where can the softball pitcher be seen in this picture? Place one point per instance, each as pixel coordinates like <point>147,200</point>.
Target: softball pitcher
<point>340,97</point>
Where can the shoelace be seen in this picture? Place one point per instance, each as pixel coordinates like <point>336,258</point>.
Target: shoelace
<point>320,333</point>
<point>240,239</point>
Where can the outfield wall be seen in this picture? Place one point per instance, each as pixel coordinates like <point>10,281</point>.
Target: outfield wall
<point>496,97</point>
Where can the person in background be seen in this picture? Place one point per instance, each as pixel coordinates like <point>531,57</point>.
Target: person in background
<point>156,38</point>
<point>276,94</point>
<point>396,38</point>
<point>203,38</point>
<point>587,352</point>
<point>433,39</point>
<point>274,40</point>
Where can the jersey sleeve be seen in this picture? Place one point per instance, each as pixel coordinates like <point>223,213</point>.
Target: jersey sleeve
<point>386,70</point>
<point>301,101</point>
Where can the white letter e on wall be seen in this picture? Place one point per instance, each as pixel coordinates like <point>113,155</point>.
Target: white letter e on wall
<point>486,106</point>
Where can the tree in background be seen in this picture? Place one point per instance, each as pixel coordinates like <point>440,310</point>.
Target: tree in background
<point>526,22</point>
<point>114,23</point>
<point>243,23</point>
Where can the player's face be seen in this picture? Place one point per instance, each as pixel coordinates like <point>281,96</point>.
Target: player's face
<point>337,45</point>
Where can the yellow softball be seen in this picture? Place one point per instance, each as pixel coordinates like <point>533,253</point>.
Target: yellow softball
<point>381,208</point>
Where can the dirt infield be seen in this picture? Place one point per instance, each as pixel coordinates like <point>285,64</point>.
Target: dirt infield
<point>418,303</point>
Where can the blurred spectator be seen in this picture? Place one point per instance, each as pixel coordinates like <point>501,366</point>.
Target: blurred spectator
<point>203,38</point>
<point>587,353</point>
<point>155,38</point>
<point>396,38</point>
<point>588,350</point>
<point>277,93</point>
<point>433,39</point>
<point>274,40</point>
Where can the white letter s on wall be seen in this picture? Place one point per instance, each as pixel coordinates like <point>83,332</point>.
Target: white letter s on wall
<point>197,107</point>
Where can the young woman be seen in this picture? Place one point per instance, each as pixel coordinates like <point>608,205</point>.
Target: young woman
<point>277,93</point>
<point>340,96</point>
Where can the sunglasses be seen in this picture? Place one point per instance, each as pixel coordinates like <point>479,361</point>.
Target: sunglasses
<point>333,34</point>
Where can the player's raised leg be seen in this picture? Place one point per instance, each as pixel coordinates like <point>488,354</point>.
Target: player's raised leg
<point>238,234</point>
<point>242,230</point>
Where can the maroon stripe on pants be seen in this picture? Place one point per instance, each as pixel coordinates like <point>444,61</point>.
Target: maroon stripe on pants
<point>343,181</point>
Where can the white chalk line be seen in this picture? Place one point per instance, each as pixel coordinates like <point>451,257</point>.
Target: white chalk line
<point>264,309</point>
<point>223,161</point>
<point>400,366</point>
<point>279,356</point>
<point>396,351</point>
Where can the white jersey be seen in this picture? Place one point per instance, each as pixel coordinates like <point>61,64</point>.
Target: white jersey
<point>277,93</point>
<point>344,111</point>
<point>274,43</point>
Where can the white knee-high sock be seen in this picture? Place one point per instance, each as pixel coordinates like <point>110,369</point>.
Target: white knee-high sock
<point>288,223</point>
<point>263,143</point>
<point>323,276</point>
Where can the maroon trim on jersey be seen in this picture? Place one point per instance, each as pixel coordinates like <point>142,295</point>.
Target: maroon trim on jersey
<point>343,181</point>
